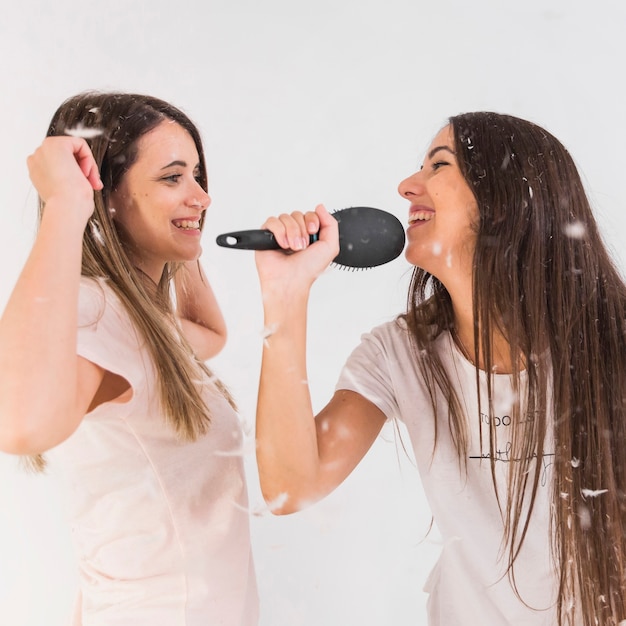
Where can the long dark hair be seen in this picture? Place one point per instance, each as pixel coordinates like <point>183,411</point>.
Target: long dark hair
<point>542,278</point>
<point>112,124</point>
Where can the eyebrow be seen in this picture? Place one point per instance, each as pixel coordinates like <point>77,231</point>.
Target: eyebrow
<point>180,163</point>
<point>436,149</point>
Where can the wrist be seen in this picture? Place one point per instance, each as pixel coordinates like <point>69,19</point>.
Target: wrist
<point>282,308</point>
<point>72,211</point>
<point>61,224</point>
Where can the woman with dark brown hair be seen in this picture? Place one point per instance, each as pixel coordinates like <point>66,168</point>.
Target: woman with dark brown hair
<point>508,370</point>
<point>103,344</point>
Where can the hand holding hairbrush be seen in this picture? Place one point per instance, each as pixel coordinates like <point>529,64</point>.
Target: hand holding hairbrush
<point>368,237</point>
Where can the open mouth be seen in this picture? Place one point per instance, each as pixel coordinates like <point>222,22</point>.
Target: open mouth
<point>187,224</point>
<point>421,216</point>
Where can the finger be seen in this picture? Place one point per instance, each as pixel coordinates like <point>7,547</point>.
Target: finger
<point>312,221</point>
<point>329,227</point>
<point>276,227</point>
<point>86,162</point>
<point>325,218</point>
<point>295,230</point>
<point>93,176</point>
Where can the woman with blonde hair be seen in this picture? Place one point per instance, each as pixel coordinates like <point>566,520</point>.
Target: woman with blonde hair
<point>508,370</point>
<point>103,344</point>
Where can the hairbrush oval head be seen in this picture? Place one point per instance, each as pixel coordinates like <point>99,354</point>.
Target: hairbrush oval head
<point>368,237</point>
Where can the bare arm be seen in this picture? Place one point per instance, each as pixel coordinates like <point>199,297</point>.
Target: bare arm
<point>300,458</point>
<point>45,389</point>
<point>200,315</point>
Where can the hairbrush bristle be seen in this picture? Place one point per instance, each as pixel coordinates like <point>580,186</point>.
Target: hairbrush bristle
<point>349,268</point>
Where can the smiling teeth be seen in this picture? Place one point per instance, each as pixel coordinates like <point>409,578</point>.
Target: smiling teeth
<point>187,224</point>
<point>421,216</point>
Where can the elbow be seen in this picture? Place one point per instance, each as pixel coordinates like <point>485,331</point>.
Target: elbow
<point>14,438</point>
<point>213,345</point>
<point>205,342</point>
<point>220,342</point>
<point>23,436</point>
<point>281,505</point>
<point>287,485</point>
<point>284,503</point>
<point>18,441</point>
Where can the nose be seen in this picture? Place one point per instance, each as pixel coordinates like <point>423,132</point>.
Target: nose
<point>411,186</point>
<point>199,198</point>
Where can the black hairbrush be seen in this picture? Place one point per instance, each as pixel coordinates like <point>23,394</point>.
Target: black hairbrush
<point>367,237</point>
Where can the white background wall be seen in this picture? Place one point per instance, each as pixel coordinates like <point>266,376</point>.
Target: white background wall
<point>300,103</point>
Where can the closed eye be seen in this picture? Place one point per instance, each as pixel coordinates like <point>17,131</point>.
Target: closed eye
<point>437,164</point>
<point>175,178</point>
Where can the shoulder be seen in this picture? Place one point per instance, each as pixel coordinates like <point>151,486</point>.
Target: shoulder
<point>392,332</point>
<point>94,296</point>
<point>96,300</point>
<point>393,339</point>
<point>101,312</point>
<point>383,347</point>
<point>106,334</point>
<point>91,300</point>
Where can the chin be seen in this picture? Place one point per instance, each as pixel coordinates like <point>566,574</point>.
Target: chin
<point>419,257</point>
<point>190,255</point>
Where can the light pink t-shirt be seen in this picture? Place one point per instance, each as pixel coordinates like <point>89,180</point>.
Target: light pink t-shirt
<point>469,584</point>
<point>160,526</point>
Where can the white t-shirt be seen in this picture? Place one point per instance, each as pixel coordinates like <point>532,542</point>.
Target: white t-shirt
<point>160,526</point>
<point>469,581</point>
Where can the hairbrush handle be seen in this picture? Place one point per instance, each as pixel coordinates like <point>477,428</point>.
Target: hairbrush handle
<point>252,240</point>
<point>367,237</point>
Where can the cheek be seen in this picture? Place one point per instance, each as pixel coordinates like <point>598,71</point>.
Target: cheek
<point>129,217</point>
<point>473,215</point>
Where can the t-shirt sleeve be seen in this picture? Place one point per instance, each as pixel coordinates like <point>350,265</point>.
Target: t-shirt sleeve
<point>106,336</point>
<point>367,371</point>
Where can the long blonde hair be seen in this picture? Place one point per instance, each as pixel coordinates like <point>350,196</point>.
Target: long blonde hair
<point>112,124</point>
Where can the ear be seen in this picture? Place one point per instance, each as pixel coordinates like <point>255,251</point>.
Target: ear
<point>111,205</point>
<point>115,202</point>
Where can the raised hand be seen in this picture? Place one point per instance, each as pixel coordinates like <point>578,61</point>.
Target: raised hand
<point>307,261</point>
<point>63,169</point>
<point>38,326</point>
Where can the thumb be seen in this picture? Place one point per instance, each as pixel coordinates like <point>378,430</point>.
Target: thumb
<point>326,219</point>
<point>329,228</point>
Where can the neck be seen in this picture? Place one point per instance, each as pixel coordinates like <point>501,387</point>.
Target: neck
<point>463,336</point>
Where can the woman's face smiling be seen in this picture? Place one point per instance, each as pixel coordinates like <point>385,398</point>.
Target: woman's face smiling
<point>160,203</point>
<point>443,212</point>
